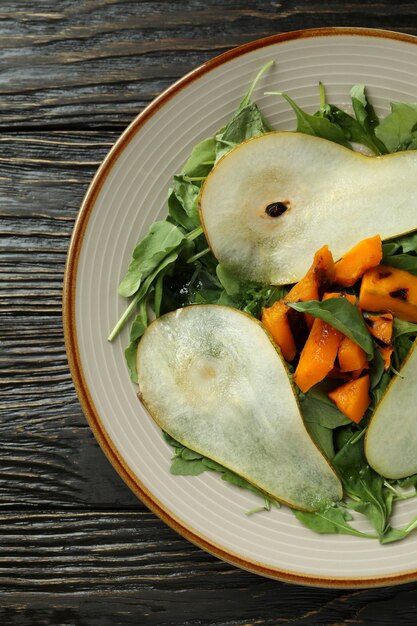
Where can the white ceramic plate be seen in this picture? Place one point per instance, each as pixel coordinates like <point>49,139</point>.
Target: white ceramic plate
<point>127,194</point>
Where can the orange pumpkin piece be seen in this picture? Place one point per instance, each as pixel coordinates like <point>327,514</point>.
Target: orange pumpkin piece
<point>351,356</point>
<point>362,257</point>
<point>336,294</point>
<point>386,353</point>
<point>386,288</point>
<point>356,373</point>
<point>380,327</point>
<point>318,355</point>
<point>275,320</point>
<point>318,278</point>
<point>337,374</point>
<point>352,398</point>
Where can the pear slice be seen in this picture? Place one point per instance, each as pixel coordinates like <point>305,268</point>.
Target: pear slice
<point>212,379</point>
<point>391,437</point>
<point>318,193</point>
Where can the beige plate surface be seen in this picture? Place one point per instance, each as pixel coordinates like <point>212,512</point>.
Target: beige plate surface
<point>127,194</point>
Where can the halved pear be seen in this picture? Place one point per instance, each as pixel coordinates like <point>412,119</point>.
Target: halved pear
<point>211,378</point>
<point>272,201</point>
<point>391,437</point>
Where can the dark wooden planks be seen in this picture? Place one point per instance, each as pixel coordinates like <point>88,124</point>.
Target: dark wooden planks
<point>48,456</point>
<point>125,568</point>
<point>97,63</point>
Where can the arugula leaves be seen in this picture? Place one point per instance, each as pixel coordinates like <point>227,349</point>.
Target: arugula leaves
<point>398,131</point>
<point>183,202</point>
<point>138,328</point>
<point>333,519</point>
<point>318,125</point>
<point>404,335</point>
<point>367,119</point>
<point>401,253</point>
<point>367,493</point>
<point>186,462</point>
<point>246,123</point>
<point>342,315</point>
<point>161,239</point>
<point>363,485</point>
<point>166,243</point>
<point>317,407</point>
<point>331,123</point>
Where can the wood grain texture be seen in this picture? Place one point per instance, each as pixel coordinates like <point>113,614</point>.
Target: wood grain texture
<point>77,548</point>
<point>93,63</point>
<point>135,570</point>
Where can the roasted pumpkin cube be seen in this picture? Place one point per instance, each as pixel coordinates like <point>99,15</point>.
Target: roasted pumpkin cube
<point>362,257</point>
<point>386,288</point>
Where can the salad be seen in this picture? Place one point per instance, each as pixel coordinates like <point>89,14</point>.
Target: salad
<point>365,336</point>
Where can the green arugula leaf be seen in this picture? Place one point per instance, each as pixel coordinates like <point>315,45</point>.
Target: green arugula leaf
<point>161,239</point>
<point>408,242</point>
<point>401,327</point>
<point>366,118</point>
<point>142,292</point>
<point>405,262</point>
<point>351,129</point>
<point>404,334</point>
<point>248,96</point>
<point>398,131</point>
<point>322,436</point>
<point>230,283</point>
<point>389,248</point>
<point>333,519</point>
<point>159,289</point>
<point>379,378</point>
<point>317,407</point>
<point>186,462</point>
<point>315,124</point>
<point>342,315</point>
<point>363,484</point>
<point>249,297</point>
<point>377,369</point>
<point>246,123</point>
<point>184,467</point>
<point>183,203</point>
<point>396,534</point>
<point>201,159</point>
<point>139,326</point>
<point>231,477</point>
<point>187,455</point>
<point>410,481</point>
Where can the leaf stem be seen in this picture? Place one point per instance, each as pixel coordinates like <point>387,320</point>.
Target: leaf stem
<point>125,316</point>
<point>198,255</point>
<point>322,93</point>
<point>398,495</point>
<point>411,526</point>
<point>191,179</point>
<point>193,234</point>
<point>358,436</point>
<point>262,71</point>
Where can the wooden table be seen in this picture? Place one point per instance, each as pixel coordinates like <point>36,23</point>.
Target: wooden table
<point>76,547</point>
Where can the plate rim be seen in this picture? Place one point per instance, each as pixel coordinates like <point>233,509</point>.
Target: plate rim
<point>70,335</point>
